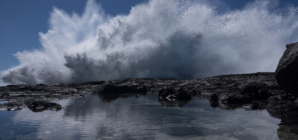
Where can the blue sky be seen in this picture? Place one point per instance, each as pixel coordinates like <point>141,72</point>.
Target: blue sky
<point>21,21</point>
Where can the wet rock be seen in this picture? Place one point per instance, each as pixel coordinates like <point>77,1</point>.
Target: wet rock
<point>228,106</point>
<point>107,98</point>
<point>256,91</point>
<point>39,106</point>
<point>171,94</point>
<point>234,98</point>
<point>213,104</point>
<point>286,72</point>
<point>241,89</point>
<point>11,106</point>
<point>121,89</point>
<point>213,98</point>
<point>284,107</point>
<point>252,106</point>
<point>111,89</point>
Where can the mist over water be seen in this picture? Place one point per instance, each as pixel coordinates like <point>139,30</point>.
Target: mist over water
<point>158,39</point>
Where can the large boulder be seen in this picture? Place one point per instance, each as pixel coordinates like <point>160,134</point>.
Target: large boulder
<point>284,107</point>
<point>286,73</point>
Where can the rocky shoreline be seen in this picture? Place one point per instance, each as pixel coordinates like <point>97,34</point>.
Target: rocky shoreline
<point>263,90</point>
<point>248,91</point>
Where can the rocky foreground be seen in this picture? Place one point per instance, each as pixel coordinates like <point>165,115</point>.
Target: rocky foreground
<point>250,91</point>
<point>277,92</point>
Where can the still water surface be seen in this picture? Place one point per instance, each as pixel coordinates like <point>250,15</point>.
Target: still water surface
<point>141,118</point>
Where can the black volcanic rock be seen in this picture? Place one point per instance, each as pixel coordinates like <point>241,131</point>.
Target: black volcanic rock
<point>287,70</point>
<point>225,91</point>
<point>213,98</point>
<point>11,106</point>
<point>171,94</point>
<point>284,107</point>
<point>234,98</point>
<point>39,106</point>
<point>122,89</point>
<point>256,91</point>
<point>252,106</point>
<point>111,89</point>
<point>107,98</point>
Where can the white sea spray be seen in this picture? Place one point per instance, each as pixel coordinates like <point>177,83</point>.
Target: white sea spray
<point>158,39</point>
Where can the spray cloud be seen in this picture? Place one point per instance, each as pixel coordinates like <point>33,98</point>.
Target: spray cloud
<point>158,39</point>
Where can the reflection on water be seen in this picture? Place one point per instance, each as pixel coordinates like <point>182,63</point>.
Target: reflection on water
<point>141,117</point>
<point>288,132</point>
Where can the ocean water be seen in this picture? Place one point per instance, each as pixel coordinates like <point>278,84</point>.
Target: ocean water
<point>144,117</point>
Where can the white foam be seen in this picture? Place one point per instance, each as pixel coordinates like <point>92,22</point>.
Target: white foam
<point>159,39</point>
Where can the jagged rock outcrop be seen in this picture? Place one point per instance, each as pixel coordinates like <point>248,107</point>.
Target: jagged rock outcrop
<point>287,70</point>
<point>284,106</point>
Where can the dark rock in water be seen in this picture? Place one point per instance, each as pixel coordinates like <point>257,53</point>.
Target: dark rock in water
<point>171,94</point>
<point>225,91</point>
<point>121,89</point>
<point>228,106</point>
<point>11,106</point>
<point>286,73</point>
<point>39,106</point>
<point>111,89</point>
<point>256,91</point>
<point>233,98</point>
<point>213,98</point>
<point>107,98</point>
<point>284,107</point>
<point>252,106</point>
<point>288,131</point>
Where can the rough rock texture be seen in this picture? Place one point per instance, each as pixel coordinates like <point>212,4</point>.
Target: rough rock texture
<point>40,97</point>
<point>234,98</point>
<point>172,94</point>
<point>39,106</point>
<point>284,106</point>
<point>11,106</point>
<point>287,70</point>
<point>226,92</point>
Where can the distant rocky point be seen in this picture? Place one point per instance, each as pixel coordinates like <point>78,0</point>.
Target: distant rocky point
<point>276,92</point>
